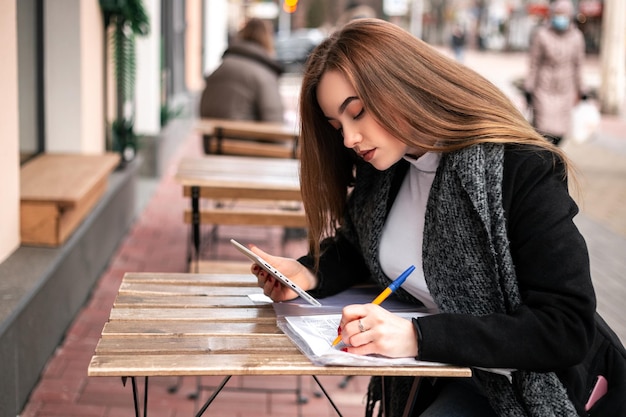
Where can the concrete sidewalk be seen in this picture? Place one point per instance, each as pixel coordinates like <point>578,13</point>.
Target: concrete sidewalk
<point>157,243</point>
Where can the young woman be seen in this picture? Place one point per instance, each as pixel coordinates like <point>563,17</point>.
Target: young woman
<point>407,158</point>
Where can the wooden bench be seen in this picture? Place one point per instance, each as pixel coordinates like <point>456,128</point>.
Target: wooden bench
<point>265,192</point>
<point>248,138</point>
<point>57,191</point>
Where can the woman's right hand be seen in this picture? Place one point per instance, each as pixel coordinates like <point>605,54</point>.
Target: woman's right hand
<point>289,267</point>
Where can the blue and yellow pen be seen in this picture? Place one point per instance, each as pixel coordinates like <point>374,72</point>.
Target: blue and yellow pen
<point>386,292</point>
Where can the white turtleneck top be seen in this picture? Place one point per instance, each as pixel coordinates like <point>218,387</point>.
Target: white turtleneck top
<point>401,241</point>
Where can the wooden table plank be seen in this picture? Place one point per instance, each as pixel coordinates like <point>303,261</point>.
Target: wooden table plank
<point>164,289</point>
<point>234,280</point>
<point>158,328</point>
<point>243,364</point>
<point>223,315</point>
<point>181,301</point>
<point>168,345</point>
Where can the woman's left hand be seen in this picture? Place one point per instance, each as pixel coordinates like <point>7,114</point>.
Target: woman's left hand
<point>369,328</point>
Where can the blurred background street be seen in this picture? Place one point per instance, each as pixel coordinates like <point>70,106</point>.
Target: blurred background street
<point>186,43</point>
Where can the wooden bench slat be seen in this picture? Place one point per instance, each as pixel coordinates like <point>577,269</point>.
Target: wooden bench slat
<point>267,194</point>
<point>230,146</point>
<point>235,216</point>
<point>247,129</point>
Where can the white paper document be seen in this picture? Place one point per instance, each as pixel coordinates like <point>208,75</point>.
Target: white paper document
<point>313,329</point>
<point>314,336</point>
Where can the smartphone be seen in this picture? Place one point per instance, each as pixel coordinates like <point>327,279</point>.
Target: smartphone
<point>275,273</point>
<point>599,389</point>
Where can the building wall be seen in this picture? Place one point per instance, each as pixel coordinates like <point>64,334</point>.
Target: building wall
<point>148,76</point>
<point>73,76</point>
<point>9,156</point>
<point>193,45</point>
<point>215,32</point>
<point>92,127</point>
<point>73,95</point>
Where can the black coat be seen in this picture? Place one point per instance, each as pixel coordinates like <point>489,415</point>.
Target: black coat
<point>554,328</point>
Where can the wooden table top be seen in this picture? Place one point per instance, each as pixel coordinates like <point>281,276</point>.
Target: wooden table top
<point>248,129</point>
<point>179,324</point>
<point>244,177</point>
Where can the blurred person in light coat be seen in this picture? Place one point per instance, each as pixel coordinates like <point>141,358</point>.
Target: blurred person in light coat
<point>554,83</point>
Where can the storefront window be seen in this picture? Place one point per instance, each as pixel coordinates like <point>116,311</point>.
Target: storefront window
<point>30,77</point>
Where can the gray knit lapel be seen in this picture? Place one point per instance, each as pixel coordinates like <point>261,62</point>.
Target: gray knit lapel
<point>469,167</point>
<point>373,202</point>
<point>462,266</point>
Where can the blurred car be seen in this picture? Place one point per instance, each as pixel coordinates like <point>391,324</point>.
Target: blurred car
<point>293,50</point>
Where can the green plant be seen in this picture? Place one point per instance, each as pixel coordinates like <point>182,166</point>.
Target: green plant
<point>124,138</point>
<point>168,113</point>
<point>129,18</point>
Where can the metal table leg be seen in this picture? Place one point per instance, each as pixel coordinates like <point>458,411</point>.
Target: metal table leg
<point>327,396</point>
<point>136,395</point>
<point>210,400</point>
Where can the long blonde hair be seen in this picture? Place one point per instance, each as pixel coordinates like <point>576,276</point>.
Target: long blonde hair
<point>420,96</point>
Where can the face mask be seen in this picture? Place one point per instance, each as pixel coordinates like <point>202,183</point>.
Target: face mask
<point>560,22</point>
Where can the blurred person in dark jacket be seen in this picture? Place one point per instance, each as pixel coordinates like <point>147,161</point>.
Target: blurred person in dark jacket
<point>355,10</point>
<point>457,42</point>
<point>246,84</point>
<point>554,84</point>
